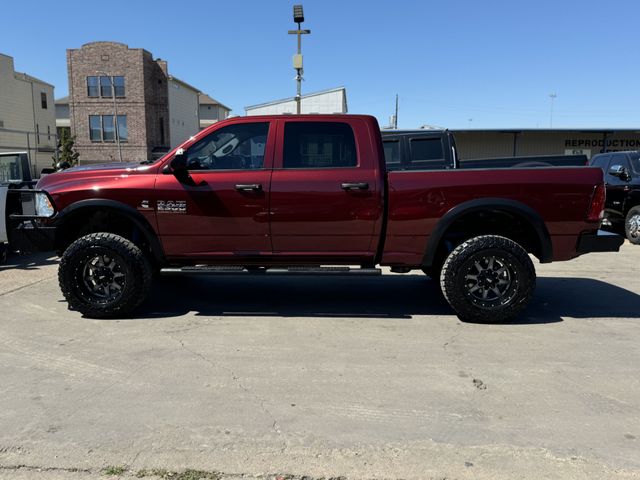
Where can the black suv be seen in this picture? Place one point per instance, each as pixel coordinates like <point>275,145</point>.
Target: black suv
<point>622,177</point>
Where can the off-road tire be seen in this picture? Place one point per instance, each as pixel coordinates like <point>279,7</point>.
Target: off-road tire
<point>130,261</point>
<point>519,276</point>
<point>632,225</point>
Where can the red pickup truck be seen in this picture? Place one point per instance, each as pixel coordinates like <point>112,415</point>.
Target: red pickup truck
<point>308,195</point>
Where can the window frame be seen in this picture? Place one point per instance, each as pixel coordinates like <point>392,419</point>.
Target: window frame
<point>116,128</point>
<point>116,87</point>
<point>96,86</point>
<point>91,128</point>
<point>43,100</point>
<point>109,85</point>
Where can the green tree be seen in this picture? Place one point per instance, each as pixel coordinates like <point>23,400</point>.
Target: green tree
<point>66,149</point>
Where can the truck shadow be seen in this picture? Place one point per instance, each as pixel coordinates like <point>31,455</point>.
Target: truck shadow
<point>32,261</point>
<point>389,296</point>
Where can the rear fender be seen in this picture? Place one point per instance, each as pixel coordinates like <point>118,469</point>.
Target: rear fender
<point>485,204</point>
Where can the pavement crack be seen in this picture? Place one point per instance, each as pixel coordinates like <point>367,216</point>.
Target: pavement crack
<point>34,468</point>
<point>275,426</point>
<point>26,285</point>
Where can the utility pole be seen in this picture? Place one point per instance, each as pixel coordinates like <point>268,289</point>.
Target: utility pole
<point>395,117</point>
<point>115,110</point>
<point>298,17</point>
<point>552,96</point>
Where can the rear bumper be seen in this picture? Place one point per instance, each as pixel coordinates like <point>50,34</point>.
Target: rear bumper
<point>28,237</point>
<point>601,241</point>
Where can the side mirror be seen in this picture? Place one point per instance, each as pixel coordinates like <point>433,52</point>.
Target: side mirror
<point>178,166</point>
<point>619,171</point>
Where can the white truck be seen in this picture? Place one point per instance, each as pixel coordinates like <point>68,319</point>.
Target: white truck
<point>15,173</point>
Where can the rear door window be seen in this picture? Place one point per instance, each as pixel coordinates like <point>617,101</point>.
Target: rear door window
<point>392,154</point>
<point>319,145</point>
<point>426,154</point>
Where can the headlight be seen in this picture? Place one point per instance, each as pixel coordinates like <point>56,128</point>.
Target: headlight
<point>44,207</point>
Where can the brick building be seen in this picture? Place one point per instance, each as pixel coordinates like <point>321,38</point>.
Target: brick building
<point>155,111</point>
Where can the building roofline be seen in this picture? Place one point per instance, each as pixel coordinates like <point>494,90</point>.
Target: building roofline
<point>31,78</point>
<point>182,82</point>
<point>212,102</point>
<point>290,99</point>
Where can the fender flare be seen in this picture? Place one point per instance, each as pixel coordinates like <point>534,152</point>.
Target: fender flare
<point>123,209</point>
<point>482,204</point>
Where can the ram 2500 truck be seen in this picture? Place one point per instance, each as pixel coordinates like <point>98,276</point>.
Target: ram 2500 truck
<point>309,195</point>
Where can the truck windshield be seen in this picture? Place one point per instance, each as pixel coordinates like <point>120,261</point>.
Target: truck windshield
<point>10,168</point>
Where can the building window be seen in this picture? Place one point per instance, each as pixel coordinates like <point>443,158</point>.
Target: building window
<point>108,129</point>
<point>43,99</point>
<point>48,132</point>
<point>95,128</point>
<point>92,87</point>
<point>118,83</point>
<point>105,87</point>
<point>102,128</point>
<point>123,132</point>
<point>37,133</point>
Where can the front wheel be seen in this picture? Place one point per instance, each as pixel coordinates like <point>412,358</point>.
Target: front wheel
<point>632,225</point>
<point>103,275</point>
<point>488,279</point>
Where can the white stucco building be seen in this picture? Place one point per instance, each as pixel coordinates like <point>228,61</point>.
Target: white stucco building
<point>211,111</point>
<point>326,101</point>
<point>27,115</point>
<point>184,120</point>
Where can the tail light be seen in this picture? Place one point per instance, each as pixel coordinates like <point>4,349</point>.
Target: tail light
<point>596,209</point>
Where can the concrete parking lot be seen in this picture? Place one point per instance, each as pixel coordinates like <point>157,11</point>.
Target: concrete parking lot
<point>323,377</point>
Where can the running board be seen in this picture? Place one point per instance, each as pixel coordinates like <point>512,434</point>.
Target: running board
<point>223,270</point>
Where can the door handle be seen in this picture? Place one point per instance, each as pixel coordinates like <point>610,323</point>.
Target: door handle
<point>355,186</point>
<point>248,187</point>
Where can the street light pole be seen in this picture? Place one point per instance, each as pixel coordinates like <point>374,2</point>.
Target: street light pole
<point>115,110</point>
<point>552,96</point>
<point>298,17</point>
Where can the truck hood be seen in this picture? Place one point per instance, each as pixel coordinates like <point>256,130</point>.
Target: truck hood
<point>93,174</point>
<point>102,167</point>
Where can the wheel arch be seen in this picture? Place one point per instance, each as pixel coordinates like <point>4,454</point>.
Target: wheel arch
<point>87,208</point>
<point>496,206</point>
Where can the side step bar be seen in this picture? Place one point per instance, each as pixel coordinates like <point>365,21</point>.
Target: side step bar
<point>224,270</point>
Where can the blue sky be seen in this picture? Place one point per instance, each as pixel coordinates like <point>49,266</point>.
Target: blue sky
<point>455,64</point>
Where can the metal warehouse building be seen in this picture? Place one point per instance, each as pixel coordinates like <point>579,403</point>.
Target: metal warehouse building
<point>327,101</point>
<point>524,142</point>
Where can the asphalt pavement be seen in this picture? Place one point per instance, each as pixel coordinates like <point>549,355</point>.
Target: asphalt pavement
<point>220,377</point>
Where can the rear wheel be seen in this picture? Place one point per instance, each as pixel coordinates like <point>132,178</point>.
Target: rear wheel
<point>632,225</point>
<point>103,275</point>
<point>488,279</point>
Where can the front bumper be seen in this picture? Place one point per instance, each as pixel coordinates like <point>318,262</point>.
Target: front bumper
<point>29,237</point>
<point>600,241</point>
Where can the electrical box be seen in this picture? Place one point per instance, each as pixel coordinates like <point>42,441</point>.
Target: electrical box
<point>297,61</point>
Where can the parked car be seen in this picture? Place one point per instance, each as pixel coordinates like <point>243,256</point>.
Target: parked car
<point>622,179</point>
<point>309,195</point>
<point>436,150</point>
